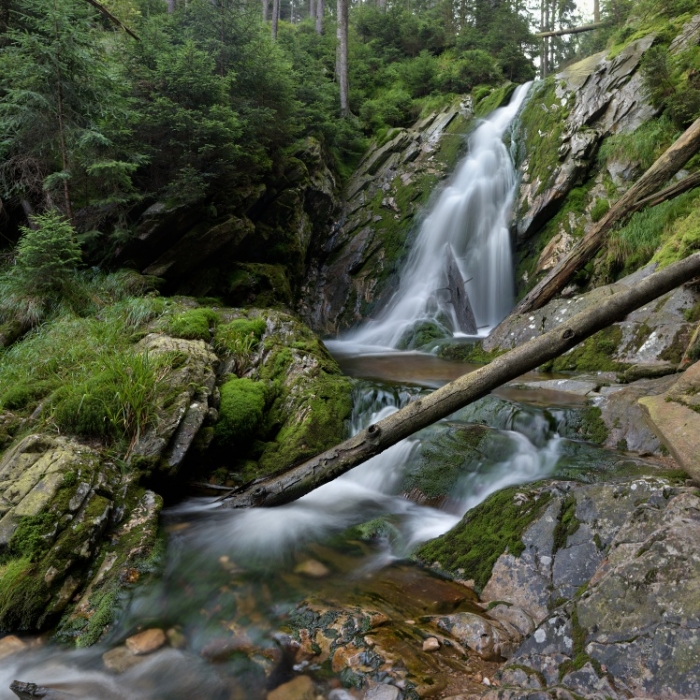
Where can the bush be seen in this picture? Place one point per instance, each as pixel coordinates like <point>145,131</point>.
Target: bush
<point>600,209</point>
<point>47,254</point>
<point>463,72</point>
<point>241,411</point>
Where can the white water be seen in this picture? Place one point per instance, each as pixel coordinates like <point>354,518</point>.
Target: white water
<point>470,221</point>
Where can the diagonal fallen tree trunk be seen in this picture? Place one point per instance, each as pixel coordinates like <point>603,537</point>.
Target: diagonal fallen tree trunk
<point>290,485</point>
<point>664,168</point>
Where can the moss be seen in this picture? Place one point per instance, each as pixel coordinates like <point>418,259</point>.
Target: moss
<point>443,461</point>
<point>600,209</point>
<point>567,523</point>
<point>487,531</point>
<point>692,315</point>
<point>25,393</point>
<point>539,128</point>
<point>681,240</point>
<point>194,324</point>
<point>579,656</point>
<point>468,352</point>
<point>422,335</point>
<point>33,536</point>
<point>487,102</point>
<point>593,427</point>
<point>241,411</point>
<point>595,354</point>
<point>675,351</point>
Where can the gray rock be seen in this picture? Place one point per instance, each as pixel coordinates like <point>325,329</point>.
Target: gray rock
<point>383,691</point>
<point>488,638</point>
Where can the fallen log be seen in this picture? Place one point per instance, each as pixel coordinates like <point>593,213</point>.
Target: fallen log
<point>287,486</point>
<point>664,168</point>
<point>572,30</point>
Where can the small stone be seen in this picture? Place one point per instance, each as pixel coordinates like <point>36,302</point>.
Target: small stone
<point>11,645</point>
<point>431,644</point>
<point>146,642</point>
<point>486,681</point>
<point>312,569</point>
<point>176,638</point>
<point>299,688</point>
<point>120,659</point>
<point>383,691</point>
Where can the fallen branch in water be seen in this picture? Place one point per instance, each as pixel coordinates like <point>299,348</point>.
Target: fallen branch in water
<point>294,483</point>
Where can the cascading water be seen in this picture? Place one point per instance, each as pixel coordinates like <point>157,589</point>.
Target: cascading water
<point>467,224</point>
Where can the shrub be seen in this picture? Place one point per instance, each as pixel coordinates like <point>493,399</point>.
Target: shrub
<point>241,411</point>
<point>600,209</point>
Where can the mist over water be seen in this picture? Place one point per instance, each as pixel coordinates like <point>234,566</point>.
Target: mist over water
<point>470,222</point>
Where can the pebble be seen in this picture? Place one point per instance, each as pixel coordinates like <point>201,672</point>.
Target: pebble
<point>431,644</point>
<point>299,688</point>
<point>383,691</point>
<point>146,642</point>
<point>312,569</point>
<point>11,645</point>
<point>120,659</point>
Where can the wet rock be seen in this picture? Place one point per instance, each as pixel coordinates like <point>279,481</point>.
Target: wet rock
<point>488,638</point>
<point>312,568</point>
<point>11,645</point>
<point>27,691</point>
<point>146,642</point>
<point>300,688</point>
<point>120,659</point>
<point>383,691</point>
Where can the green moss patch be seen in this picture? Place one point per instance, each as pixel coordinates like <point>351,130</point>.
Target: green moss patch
<point>471,549</point>
<point>259,284</point>
<point>241,411</point>
<point>194,324</point>
<point>595,354</point>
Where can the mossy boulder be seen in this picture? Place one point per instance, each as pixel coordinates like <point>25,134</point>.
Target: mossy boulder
<point>291,402</point>
<point>62,505</point>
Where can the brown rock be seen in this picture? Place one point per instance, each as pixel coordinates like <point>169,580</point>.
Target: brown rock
<point>120,659</point>
<point>431,644</point>
<point>146,642</point>
<point>11,645</point>
<point>312,569</point>
<point>300,688</point>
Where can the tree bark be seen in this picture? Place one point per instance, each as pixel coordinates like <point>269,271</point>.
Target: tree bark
<point>343,56</point>
<point>290,485</point>
<point>573,30</point>
<point>664,168</point>
<point>319,17</point>
<point>596,11</point>
<point>171,6</point>
<point>275,18</point>
<point>265,6</point>
<point>312,9</point>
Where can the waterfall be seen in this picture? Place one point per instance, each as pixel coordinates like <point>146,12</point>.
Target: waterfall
<point>469,226</point>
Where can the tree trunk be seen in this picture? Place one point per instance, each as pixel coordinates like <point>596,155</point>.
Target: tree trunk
<point>573,30</point>
<point>117,21</point>
<point>265,6</point>
<point>275,18</point>
<point>319,17</point>
<point>62,130</point>
<point>171,6</point>
<point>290,485</point>
<point>596,11</point>
<point>663,169</point>
<point>312,9</point>
<point>343,56</point>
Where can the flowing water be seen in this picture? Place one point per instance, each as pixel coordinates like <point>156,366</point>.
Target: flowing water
<point>469,223</point>
<point>241,574</point>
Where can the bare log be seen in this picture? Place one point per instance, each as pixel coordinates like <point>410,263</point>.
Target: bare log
<point>290,485</point>
<point>663,169</point>
<point>677,188</point>
<point>572,30</point>
<point>112,18</point>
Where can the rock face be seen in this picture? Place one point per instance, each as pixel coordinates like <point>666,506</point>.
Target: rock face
<point>674,417</point>
<point>351,270</point>
<point>584,103</point>
<point>656,335</point>
<point>603,595</point>
<point>64,506</point>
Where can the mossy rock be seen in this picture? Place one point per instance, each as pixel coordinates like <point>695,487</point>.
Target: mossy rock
<point>241,411</point>
<point>194,324</point>
<point>470,550</point>
<point>259,285</point>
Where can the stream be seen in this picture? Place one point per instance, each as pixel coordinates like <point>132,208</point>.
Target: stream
<point>235,581</point>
